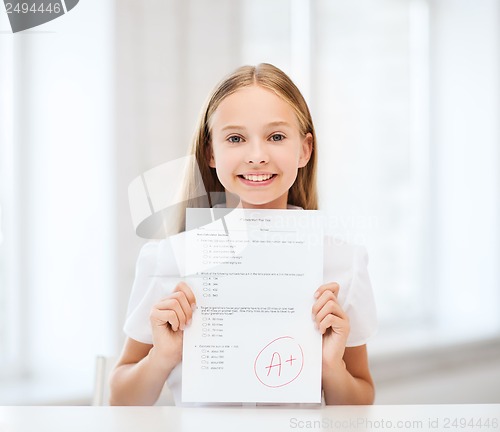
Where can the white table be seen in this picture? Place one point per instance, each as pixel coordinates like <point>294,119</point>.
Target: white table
<point>277,419</point>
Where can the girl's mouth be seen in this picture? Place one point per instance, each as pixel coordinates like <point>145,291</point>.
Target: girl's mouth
<point>257,179</point>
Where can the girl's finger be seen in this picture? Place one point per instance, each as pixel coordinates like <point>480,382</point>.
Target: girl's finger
<point>334,287</point>
<point>337,324</point>
<point>188,292</point>
<point>184,304</point>
<point>161,318</point>
<point>322,300</point>
<point>330,308</point>
<point>172,304</point>
<point>180,296</point>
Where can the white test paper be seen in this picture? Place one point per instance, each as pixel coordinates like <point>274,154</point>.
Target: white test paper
<point>252,337</point>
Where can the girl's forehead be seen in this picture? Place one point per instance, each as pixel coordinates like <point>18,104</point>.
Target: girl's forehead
<point>254,104</point>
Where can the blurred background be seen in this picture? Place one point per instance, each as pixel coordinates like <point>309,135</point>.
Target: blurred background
<point>405,95</point>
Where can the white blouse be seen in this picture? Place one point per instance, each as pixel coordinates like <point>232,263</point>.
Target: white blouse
<point>157,275</point>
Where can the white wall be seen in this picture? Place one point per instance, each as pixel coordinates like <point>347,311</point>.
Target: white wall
<point>466,157</point>
<point>62,123</point>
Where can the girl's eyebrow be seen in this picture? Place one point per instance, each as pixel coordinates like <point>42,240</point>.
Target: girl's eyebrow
<point>279,123</point>
<point>272,124</point>
<point>232,127</point>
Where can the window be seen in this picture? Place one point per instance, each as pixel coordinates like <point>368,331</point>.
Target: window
<point>393,87</point>
<point>404,101</point>
<point>373,181</point>
<point>56,207</point>
<point>10,348</point>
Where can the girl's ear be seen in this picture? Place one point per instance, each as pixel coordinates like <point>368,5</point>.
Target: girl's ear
<point>306,150</point>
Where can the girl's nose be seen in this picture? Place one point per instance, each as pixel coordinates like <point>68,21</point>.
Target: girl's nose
<point>257,153</point>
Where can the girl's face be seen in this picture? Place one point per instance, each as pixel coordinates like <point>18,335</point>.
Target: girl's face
<point>257,148</point>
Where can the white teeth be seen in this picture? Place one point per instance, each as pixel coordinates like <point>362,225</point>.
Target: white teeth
<point>257,178</point>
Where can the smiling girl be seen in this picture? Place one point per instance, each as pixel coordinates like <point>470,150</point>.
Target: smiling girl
<point>255,143</point>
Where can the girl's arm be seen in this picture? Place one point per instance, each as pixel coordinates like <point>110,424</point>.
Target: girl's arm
<point>142,370</point>
<point>346,376</point>
<point>349,382</point>
<point>139,375</point>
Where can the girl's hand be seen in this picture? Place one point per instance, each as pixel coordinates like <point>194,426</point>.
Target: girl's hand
<point>332,322</point>
<point>168,319</point>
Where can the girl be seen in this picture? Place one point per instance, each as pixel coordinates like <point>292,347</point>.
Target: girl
<point>256,144</point>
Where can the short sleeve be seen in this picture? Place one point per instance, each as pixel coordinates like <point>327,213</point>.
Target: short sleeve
<point>360,302</point>
<point>347,265</point>
<point>156,275</point>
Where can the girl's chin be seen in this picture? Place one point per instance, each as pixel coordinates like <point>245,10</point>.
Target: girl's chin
<point>251,203</point>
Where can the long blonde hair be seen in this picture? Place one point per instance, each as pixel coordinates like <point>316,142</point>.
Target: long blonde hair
<point>303,192</point>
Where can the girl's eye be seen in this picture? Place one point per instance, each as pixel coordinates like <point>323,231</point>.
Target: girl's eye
<point>234,139</point>
<point>277,137</point>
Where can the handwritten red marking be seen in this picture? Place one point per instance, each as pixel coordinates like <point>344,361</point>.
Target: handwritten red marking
<point>274,365</point>
<point>271,357</point>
